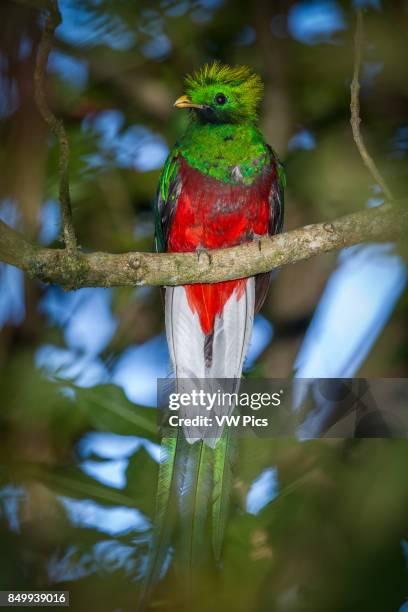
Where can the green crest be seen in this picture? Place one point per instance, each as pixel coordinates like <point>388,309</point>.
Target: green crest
<point>227,94</point>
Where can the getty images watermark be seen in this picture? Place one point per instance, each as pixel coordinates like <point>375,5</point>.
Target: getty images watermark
<point>213,400</point>
<point>303,408</point>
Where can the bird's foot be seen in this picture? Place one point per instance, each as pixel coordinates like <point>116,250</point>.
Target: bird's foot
<point>200,250</point>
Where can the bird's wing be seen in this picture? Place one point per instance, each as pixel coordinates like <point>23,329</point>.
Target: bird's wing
<point>166,201</point>
<point>276,214</point>
<point>276,198</point>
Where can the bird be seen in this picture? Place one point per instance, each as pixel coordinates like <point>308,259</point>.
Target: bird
<point>222,185</point>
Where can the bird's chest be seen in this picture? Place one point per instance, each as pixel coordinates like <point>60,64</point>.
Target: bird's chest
<point>212,214</point>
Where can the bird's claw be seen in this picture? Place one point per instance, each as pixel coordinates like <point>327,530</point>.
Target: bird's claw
<point>200,250</point>
<point>257,238</point>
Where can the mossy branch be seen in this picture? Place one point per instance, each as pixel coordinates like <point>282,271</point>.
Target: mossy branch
<point>108,270</point>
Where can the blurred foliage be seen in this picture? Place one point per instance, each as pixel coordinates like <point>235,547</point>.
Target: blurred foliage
<point>333,536</point>
<point>330,539</point>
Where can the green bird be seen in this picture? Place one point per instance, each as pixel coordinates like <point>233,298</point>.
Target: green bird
<point>221,186</point>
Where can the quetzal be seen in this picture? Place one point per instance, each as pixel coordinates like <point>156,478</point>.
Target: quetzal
<point>221,185</point>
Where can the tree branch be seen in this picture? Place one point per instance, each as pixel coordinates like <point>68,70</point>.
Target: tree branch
<point>355,119</point>
<point>386,222</point>
<point>73,269</point>
<point>53,20</point>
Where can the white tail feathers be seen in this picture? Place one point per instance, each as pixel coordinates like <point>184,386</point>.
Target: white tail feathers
<point>187,346</point>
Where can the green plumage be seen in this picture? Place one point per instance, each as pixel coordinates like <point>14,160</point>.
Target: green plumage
<point>164,197</point>
<point>242,88</point>
<point>171,461</point>
<point>216,149</point>
<point>223,458</point>
<point>194,503</point>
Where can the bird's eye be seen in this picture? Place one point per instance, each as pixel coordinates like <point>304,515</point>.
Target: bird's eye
<point>220,99</point>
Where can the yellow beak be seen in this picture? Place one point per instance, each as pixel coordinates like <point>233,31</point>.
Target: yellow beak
<point>185,102</point>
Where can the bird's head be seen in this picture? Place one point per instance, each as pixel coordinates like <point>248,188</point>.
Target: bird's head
<point>222,94</point>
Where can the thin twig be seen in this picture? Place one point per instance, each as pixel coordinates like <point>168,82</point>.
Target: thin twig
<point>355,119</point>
<point>53,19</point>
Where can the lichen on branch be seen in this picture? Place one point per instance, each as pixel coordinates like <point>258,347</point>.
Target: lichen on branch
<point>387,222</point>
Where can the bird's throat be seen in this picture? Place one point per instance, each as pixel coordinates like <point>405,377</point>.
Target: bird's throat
<point>232,153</point>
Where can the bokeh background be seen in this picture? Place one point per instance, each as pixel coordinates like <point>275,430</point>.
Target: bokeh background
<point>315,525</point>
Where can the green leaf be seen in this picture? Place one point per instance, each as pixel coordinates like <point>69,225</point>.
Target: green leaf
<point>108,409</point>
<point>72,482</point>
